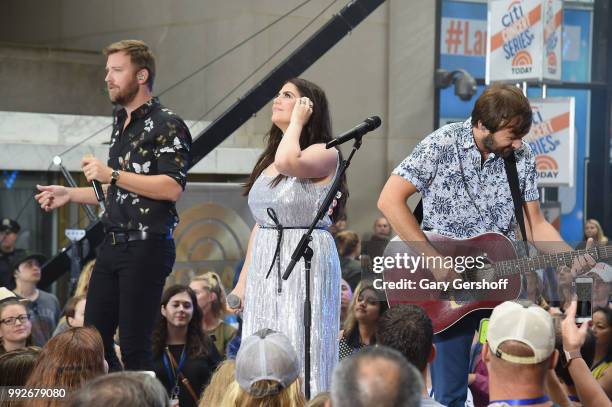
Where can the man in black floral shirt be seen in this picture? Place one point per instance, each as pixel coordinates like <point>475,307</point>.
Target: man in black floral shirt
<point>146,174</point>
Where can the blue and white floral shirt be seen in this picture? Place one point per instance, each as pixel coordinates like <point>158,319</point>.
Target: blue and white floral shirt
<point>461,197</point>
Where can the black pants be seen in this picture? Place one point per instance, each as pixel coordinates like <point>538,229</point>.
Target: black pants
<point>125,290</point>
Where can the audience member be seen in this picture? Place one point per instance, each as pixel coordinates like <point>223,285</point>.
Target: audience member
<point>67,361</point>
<point>602,284</point>
<point>211,301</point>
<point>382,228</point>
<point>184,356</point>
<point>519,352</point>
<point>478,377</point>
<point>565,289</point>
<point>602,329</point>
<point>366,308</point>
<point>589,391</point>
<point>74,314</point>
<point>592,230</point>
<point>407,329</point>
<point>374,245</point>
<point>338,226</point>
<point>133,389</point>
<point>376,376</point>
<point>535,289</point>
<point>320,400</point>
<point>15,369</point>
<point>220,381</point>
<point>346,294</point>
<point>15,325</point>
<point>83,282</point>
<point>349,247</point>
<point>43,307</point>
<point>267,373</point>
<point>234,345</point>
<point>587,350</point>
<point>8,253</point>
<point>72,309</point>
<point>16,366</point>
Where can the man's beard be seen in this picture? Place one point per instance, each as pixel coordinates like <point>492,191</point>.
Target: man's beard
<point>489,143</point>
<point>125,96</point>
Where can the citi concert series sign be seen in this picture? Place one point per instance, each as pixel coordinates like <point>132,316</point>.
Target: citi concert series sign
<point>524,40</point>
<point>552,139</point>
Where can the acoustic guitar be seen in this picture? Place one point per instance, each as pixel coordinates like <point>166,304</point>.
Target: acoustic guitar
<point>490,274</point>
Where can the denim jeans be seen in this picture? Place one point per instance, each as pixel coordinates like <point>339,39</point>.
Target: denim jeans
<point>450,368</point>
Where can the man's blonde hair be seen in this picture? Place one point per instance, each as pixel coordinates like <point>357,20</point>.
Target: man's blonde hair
<point>140,55</point>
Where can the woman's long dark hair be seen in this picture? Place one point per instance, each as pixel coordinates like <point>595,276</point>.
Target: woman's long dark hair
<point>317,130</point>
<point>198,342</point>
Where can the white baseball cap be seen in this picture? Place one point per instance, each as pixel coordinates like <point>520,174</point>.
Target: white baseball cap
<point>8,295</point>
<point>527,324</point>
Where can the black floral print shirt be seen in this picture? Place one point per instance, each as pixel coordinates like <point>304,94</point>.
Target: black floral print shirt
<point>156,141</point>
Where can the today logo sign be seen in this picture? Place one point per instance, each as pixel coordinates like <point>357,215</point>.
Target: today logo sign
<point>524,40</point>
<point>552,140</point>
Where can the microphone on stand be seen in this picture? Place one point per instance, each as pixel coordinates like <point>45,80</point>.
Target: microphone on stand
<point>366,126</point>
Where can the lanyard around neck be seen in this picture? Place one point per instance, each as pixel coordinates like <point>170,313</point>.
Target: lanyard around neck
<point>172,371</point>
<point>522,402</point>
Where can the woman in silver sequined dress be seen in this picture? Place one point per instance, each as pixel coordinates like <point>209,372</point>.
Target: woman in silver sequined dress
<point>285,189</point>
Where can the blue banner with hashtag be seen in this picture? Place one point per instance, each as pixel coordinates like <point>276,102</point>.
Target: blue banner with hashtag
<point>463,39</point>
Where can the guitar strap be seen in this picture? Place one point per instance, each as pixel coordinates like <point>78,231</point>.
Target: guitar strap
<point>513,180</point>
<point>418,211</point>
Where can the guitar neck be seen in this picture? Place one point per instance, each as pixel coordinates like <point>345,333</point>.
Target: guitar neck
<point>510,267</point>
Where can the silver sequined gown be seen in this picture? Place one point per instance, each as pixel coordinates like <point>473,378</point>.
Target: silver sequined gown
<point>295,202</point>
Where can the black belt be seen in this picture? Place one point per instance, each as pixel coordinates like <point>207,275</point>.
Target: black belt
<point>279,240</point>
<point>115,238</point>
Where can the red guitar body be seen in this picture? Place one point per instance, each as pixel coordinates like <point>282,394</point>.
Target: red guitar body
<point>444,313</point>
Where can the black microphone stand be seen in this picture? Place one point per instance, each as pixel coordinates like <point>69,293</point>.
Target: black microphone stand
<point>57,160</point>
<point>74,235</point>
<point>304,250</point>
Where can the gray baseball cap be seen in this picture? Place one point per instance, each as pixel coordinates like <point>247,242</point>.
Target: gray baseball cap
<point>266,355</point>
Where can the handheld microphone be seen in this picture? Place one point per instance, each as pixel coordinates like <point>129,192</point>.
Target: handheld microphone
<point>97,189</point>
<point>99,193</point>
<point>366,126</point>
<point>233,301</point>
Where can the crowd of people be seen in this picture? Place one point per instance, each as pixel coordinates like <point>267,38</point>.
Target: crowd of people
<point>528,354</point>
<point>384,353</point>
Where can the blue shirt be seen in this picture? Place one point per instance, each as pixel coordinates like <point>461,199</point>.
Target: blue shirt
<point>462,197</point>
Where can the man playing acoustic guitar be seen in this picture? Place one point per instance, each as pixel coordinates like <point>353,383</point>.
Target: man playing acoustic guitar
<point>459,172</point>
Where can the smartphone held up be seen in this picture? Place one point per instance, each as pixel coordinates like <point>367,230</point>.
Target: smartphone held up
<point>584,294</point>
